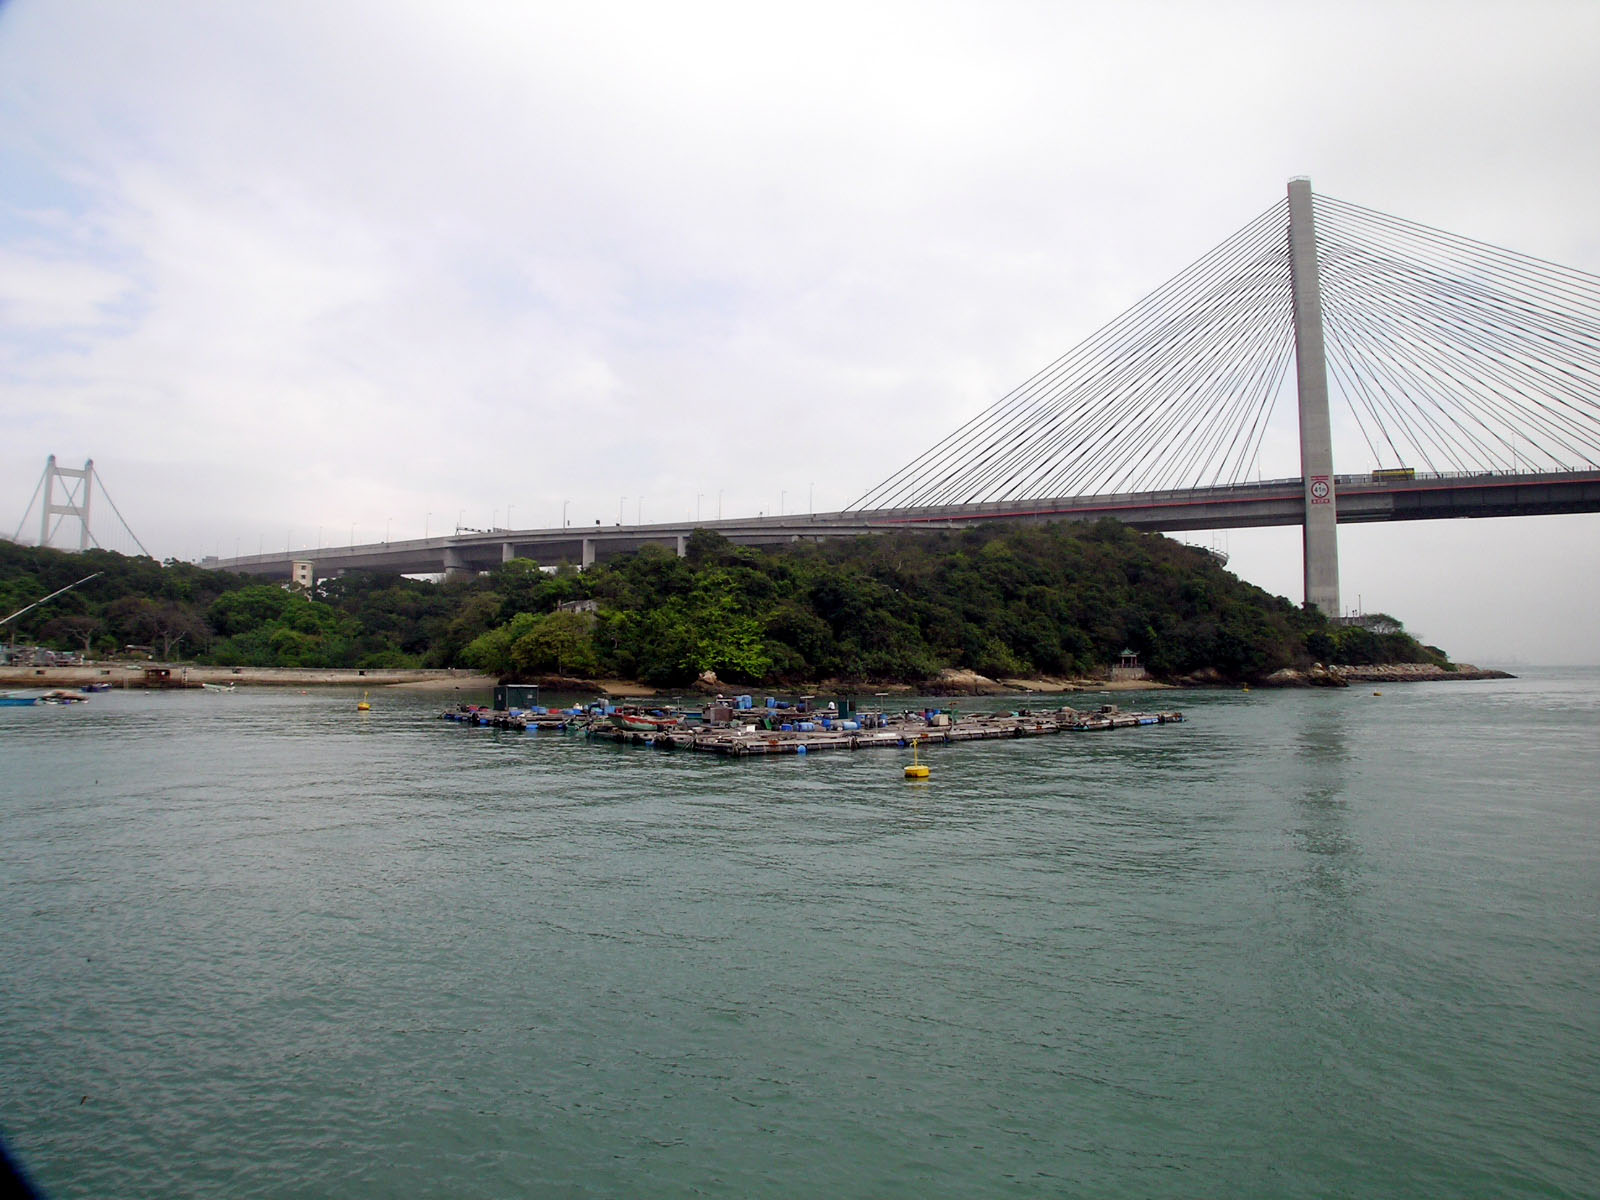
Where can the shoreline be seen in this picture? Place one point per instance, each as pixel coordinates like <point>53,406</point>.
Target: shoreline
<point>950,683</point>
<point>131,675</point>
<point>1343,676</point>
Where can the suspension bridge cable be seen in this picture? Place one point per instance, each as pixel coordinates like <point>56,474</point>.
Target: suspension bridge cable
<point>37,488</point>
<point>1544,277</point>
<point>128,529</point>
<point>1159,328</point>
<point>1455,353</point>
<point>991,432</point>
<point>1474,350</point>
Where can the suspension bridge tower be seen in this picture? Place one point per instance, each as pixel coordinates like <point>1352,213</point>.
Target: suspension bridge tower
<point>71,502</point>
<point>1321,531</point>
<point>75,499</point>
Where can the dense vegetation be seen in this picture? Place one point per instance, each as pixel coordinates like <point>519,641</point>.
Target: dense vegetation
<point>1010,602</point>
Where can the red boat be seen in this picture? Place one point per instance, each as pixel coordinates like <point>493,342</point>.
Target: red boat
<point>637,720</point>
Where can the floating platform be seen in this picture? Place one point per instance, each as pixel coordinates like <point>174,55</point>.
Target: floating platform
<point>513,719</point>
<point>873,732</point>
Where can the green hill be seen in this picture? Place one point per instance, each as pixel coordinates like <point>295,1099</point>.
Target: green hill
<point>1012,601</point>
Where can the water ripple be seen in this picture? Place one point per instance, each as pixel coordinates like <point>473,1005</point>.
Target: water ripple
<point>1308,944</point>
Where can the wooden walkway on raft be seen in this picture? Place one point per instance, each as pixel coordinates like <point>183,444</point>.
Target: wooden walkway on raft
<point>891,733</point>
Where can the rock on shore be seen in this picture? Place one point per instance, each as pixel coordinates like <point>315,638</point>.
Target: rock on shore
<point>1417,672</point>
<point>1343,676</point>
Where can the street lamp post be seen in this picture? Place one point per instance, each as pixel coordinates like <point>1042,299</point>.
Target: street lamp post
<point>620,502</point>
<point>509,523</point>
<point>564,504</point>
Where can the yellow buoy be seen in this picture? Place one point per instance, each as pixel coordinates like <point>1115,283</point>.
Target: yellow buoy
<point>363,706</point>
<point>1377,693</point>
<point>915,770</point>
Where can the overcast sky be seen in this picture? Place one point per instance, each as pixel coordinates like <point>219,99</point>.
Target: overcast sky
<point>309,270</point>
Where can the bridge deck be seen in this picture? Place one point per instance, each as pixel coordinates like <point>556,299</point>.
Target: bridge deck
<point>1360,499</point>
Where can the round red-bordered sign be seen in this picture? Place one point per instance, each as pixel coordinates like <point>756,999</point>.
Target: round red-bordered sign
<point>1319,490</point>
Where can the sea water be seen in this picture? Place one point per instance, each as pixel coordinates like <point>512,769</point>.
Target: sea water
<point>1309,943</point>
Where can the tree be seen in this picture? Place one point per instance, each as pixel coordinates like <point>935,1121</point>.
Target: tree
<point>249,608</point>
<point>491,652</point>
<point>78,629</point>
<point>562,642</point>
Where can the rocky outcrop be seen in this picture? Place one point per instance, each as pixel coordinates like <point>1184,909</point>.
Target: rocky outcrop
<point>1343,676</point>
<point>1317,676</point>
<point>1417,673</point>
<point>953,682</point>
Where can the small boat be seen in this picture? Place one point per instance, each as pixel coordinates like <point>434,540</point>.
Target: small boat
<point>11,699</point>
<point>636,720</point>
<point>217,687</point>
<point>95,687</point>
<point>61,697</point>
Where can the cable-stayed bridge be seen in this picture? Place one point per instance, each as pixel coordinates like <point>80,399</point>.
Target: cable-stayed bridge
<point>1463,378</point>
<point>1237,506</point>
<point>1452,359</point>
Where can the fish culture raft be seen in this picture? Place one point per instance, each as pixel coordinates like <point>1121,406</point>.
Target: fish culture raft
<point>741,732</point>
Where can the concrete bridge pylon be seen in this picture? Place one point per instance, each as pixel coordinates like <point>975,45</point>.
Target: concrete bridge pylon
<point>76,499</point>
<point>1321,530</point>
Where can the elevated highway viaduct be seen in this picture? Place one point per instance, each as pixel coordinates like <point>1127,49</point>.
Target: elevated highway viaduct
<point>1361,499</point>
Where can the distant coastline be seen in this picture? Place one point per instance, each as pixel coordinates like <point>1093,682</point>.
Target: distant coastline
<point>131,675</point>
<point>950,683</point>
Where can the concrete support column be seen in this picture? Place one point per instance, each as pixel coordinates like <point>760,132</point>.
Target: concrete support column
<point>683,546</point>
<point>588,552</point>
<point>1321,538</point>
<point>507,552</point>
<point>49,500</point>
<point>454,565</point>
<point>83,509</point>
